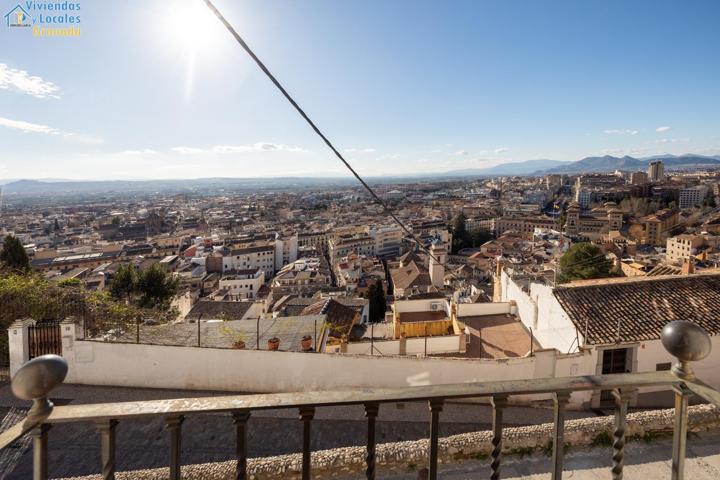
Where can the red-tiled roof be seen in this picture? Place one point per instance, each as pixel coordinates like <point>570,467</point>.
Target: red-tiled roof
<point>638,309</point>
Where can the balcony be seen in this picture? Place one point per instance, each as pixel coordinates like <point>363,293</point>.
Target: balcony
<point>685,341</point>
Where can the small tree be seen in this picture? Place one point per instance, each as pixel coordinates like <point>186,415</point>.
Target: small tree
<point>376,298</point>
<point>124,282</point>
<point>479,236</point>
<point>460,234</point>
<point>13,254</point>
<point>156,286</point>
<point>584,261</point>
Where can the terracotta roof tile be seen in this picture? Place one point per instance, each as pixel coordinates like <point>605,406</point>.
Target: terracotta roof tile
<point>638,309</point>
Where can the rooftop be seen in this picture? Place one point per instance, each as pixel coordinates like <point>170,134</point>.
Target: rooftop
<point>637,308</point>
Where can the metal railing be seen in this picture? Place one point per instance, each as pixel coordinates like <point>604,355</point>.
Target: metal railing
<point>686,341</point>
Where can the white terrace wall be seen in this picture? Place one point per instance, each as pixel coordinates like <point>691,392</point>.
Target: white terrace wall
<point>443,344</point>
<point>420,305</point>
<point>193,368</point>
<point>413,346</point>
<point>540,311</point>
<point>473,309</point>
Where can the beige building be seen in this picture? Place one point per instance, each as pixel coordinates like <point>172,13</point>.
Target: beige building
<point>656,171</point>
<point>684,247</point>
<point>523,224</point>
<point>260,255</point>
<point>638,178</point>
<point>315,238</point>
<point>659,225</point>
<point>594,222</point>
<point>244,283</point>
<point>344,245</point>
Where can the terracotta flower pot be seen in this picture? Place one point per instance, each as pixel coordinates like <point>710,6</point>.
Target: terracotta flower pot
<point>306,343</point>
<point>273,343</point>
<point>239,344</point>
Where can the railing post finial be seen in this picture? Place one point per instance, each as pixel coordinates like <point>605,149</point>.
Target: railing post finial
<point>34,381</point>
<point>688,343</point>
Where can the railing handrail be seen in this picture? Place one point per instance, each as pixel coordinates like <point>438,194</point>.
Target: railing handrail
<point>228,403</point>
<point>686,341</point>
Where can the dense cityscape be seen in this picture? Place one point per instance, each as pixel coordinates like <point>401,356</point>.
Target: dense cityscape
<point>338,240</point>
<point>290,259</point>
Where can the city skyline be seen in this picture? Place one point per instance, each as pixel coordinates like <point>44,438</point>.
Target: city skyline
<point>400,88</point>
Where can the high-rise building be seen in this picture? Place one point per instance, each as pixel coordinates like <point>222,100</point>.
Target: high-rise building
<point>554,182</point>
<point>692,196</point>
<point>638,178</point>
<point>656,171</point>
<point>582,196</point>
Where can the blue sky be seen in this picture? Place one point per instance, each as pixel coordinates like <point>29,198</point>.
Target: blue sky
<point>158,89</point>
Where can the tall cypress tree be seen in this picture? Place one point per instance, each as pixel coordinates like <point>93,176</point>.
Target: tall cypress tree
<point>376,298</point>
<point>13,254</point>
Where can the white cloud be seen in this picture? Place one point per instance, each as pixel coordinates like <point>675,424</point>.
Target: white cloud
<point>23,82</point>
<point>663,129</point>
<point>620,132</point>
<point>71,137</point>
<point>275,146</point>
<point>83,139</point>
<point>223,149</point>
<point>360,150</point>
<point>27,126</point>
<point>187,150</point>
<point>501,150</point>
<point>145,151</point>
<point>674,140</point>
<point>461,152</point>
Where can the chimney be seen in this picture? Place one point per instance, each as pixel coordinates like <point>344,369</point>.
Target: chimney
<point>688,266</point>
<point>497,284</point>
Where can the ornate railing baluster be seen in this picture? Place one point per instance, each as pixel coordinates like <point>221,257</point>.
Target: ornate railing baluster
<point>684,340</point>
<point>682,394</point>
<point>240,419</point>
<point>306,415</point>
<point>560,401</point>
<point>622,399</point>
<point>174,424</point>
<point>371,412</point>
<point>436,407</point>
<point>39,435</point>
<point>498,402</point>
<point>106,429</point>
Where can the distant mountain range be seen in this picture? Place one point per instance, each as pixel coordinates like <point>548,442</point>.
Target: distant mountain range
<point>607,163</point>
<point>220,185</point>
<point>516,168</point>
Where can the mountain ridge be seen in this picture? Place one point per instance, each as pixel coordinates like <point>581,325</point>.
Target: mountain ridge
<point>596,164</point>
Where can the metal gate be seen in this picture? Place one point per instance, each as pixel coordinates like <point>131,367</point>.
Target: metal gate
<point>45,338</point>
<point>4,350</point>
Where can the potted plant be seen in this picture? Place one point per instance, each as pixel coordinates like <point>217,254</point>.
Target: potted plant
<point>239,342</point>
<point>273,343</point>
<point>237,339</point>
<point>306,343</point>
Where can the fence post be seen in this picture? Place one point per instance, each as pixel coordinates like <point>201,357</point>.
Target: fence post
<point>19,343</point>
<point>198,325</point>
<point>68,334</point>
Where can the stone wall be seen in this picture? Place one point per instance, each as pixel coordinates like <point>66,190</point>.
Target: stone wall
<point>339,462</point>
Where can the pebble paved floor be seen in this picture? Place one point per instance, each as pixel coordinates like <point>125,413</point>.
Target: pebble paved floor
<point>643,461</point>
